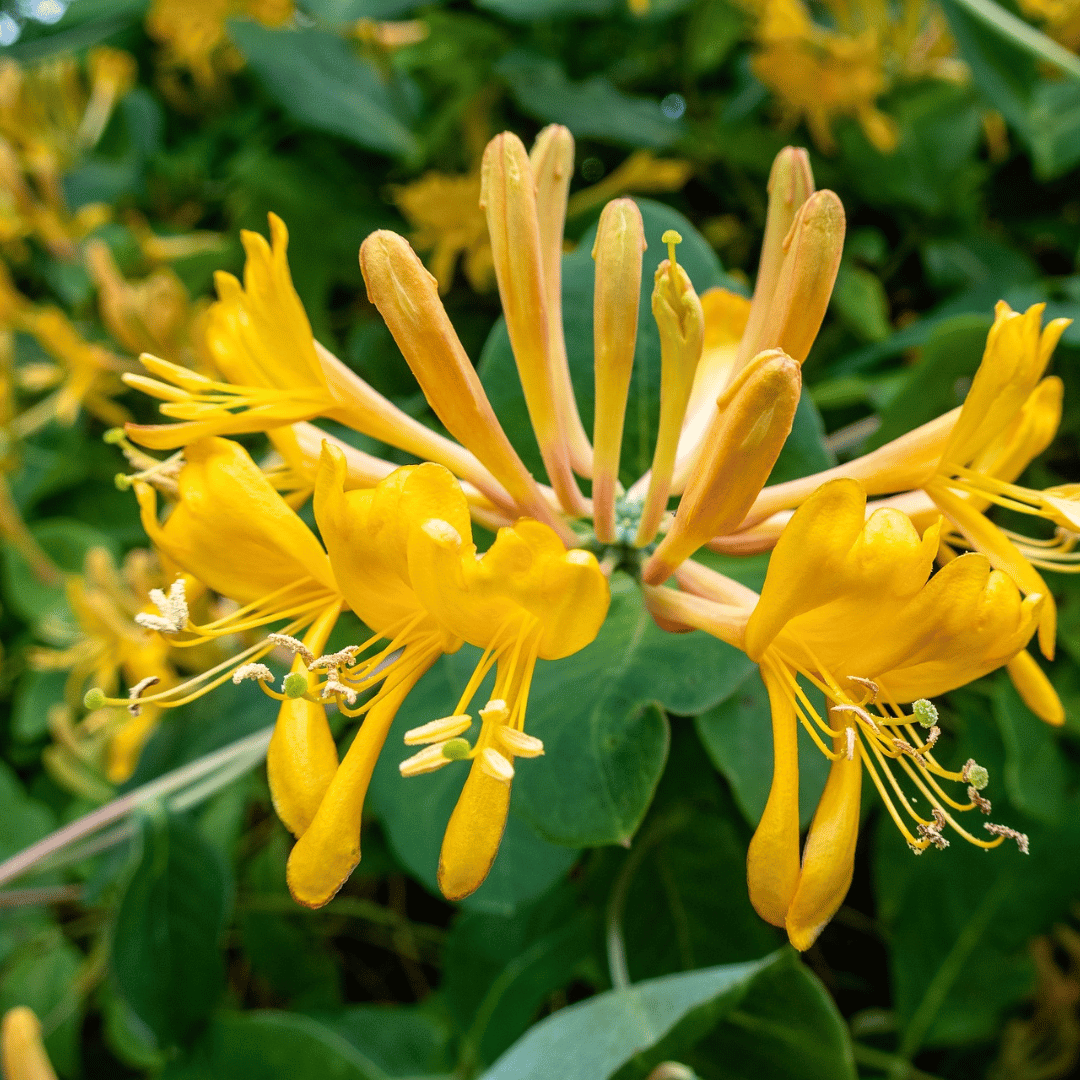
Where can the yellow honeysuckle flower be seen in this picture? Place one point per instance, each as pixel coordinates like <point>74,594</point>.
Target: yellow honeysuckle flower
<point>235,534</point>
<point>848,606</point>
<point>965,461</point>
<point>112,647</point>
<point>259,338</point>
<point>22,1053</point>
<point>194,38</point>
<point>367,534</point>
<point>820,73</point>
<point>527,598</point>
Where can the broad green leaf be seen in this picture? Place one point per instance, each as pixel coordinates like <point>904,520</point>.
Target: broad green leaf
<point>1002,69</point>
<point>525,10</point>
<point>36,693</point>
<point>686,871</point>
<point>25,819</point>
<point>1035,776</point>
<point>499,970</point>
<point>268,1045</point>
<point>402,1040</point>
<point>737,734</point>
<point>321,83</point>
<point>715,29</point>
<point>760,1013</point>
<point>499,374</point>
<point>593,108</point>
<point>1055,128</point>
<point>599,715</point>
<point>860,301</point>
<point>933,169</point>
<point>166,950</point>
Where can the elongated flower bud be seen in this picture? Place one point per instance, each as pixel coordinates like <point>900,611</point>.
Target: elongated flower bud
<point>407,297</point>
<point>508,195</point>
<point>620,241</point>
<point>1035,688</point>
<point>753,420</point>
<point>22,1053</point>
<point>552,161</point>
<point>811,260</point>
<point>681,322</point>
<point>791,183</point>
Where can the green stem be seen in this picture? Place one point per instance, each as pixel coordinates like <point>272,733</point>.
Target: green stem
<point>894,1066</point>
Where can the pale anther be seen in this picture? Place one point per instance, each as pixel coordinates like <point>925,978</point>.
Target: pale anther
<point>861,713</point>
<point>496,766</point>
<point>850,732</point>
<point>137,691</point>
<point>333,687</point>
<point>1004,830</point>
<point>344,658</point>
<point>869,684</point>
<point>978,800</point>
<point>518,743</point>
<point>495,712</point>
<point>256,672</point>
<point>172,606</point>
<point>436,730</point>
<point>427,760</point>
<point>294,645</point>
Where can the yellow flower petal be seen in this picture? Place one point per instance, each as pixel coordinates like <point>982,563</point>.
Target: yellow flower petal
<point>21,1050</point>
<point>473,833</point>
<point>829,853</point>
<point>772,862</point>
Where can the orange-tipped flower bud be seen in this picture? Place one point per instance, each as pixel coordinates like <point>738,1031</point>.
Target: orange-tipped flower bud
<point>754,417</point>
<point>552,161</point>
<point>791,183</point>
<point>508,195</point>
<point>620,241</point>
<point>407,297</point>
<point>811,260</point>
<point>681,321</point>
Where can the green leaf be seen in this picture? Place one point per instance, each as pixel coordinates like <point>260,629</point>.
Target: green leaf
<point>402,1040</point>
<point>1001,68</point>
<point>166,953</point>
<point>1035,776</point>
<point>499,374</point>
<point>737,734</point>
<point>860,301</point>
<point>35,694</point>
<point>526,10</point>
<point>686,871</point>
<point>270,1045</point>
<point>772,1015</point>
<point>321,83</point>
<point>1055,128</point>
<point>716,27</point>
<point>599,715</point>
<point>593,108</point>
<point>933,169</point>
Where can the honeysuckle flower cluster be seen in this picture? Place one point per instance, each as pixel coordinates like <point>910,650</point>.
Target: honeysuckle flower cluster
<point>851,604</point>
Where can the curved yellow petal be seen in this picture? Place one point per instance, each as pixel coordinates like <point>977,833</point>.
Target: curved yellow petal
<point>473,833</point>
<point>22,1052</point>
<point>829,853</point>
<point>231,529</point>
<point>327,853</point>
<point>772,862</point>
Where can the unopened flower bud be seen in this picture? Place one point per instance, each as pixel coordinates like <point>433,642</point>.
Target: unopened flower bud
<point>620,241</point>
<point>753,419</point>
